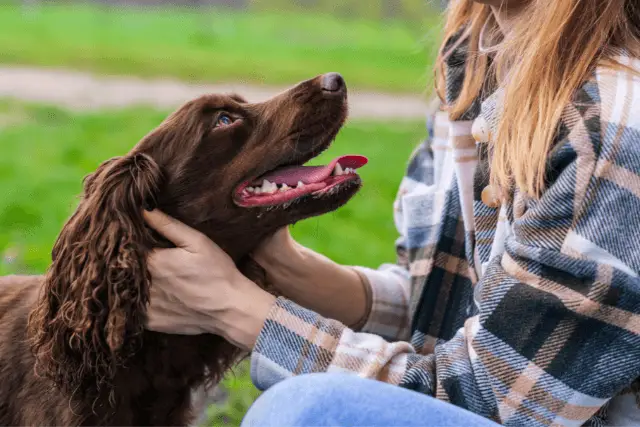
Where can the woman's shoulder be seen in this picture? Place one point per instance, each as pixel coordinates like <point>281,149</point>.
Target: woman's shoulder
<point>605,111</point>
<point>618,98</point>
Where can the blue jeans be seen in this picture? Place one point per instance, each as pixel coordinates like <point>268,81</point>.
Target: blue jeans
<point>348,400</point>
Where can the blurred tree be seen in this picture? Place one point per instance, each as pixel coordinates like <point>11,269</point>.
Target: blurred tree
<point>416,9</point>
<point>204,15</point>
<point>373,9</point>
<point>343,9</point>
<point>392,9</point>
<point>410,11</point>
<point>274,5</point>
<point>30,6</point>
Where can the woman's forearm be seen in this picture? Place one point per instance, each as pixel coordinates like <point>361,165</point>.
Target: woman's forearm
<point>321,285</point>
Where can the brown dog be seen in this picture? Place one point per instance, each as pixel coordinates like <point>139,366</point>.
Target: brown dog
<point>73,347</point>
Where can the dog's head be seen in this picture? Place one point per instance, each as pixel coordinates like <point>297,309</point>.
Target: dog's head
<point>234,170</point>
<point>229,168</point>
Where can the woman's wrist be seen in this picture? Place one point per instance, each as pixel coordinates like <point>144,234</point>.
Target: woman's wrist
<point>314,281</point>
<point>242,320</point>
<point>322,285</point>
<point>368,300</point>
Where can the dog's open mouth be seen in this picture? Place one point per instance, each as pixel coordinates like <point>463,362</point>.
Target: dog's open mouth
<point>285,184</point>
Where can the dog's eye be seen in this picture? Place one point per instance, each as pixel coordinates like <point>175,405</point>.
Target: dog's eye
<point>224,120</point>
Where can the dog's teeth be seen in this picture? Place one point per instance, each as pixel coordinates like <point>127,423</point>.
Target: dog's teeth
<point>300,184</point>
<point>337,171</point>
<point>284,188</point>
<point>257,190</point>
<point>269,187</point>
<point>250,189</point>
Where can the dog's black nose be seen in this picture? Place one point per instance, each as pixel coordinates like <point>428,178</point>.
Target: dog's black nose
<point>333,82</point>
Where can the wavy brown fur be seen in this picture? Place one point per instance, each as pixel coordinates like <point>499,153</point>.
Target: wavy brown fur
<point>73,347</point>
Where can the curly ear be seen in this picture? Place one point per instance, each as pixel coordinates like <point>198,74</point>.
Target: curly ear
<point>90,315</point>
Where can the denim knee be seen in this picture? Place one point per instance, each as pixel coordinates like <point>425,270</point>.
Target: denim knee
<point>300,400</point>
<point>345,399</point>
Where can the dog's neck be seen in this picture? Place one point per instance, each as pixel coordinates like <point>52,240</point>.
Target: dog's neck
<point>236,248</point>
<point>224,233</point>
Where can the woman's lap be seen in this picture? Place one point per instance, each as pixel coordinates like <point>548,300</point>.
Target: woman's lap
<point>341,399</point>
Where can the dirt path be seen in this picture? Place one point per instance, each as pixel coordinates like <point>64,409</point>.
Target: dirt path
<point>81,91</point>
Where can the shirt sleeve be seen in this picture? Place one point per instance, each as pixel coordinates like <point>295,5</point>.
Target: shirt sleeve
<point>558,332</point>
<point>389,288</point>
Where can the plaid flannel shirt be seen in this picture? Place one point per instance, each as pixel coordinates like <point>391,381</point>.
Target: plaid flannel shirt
<point>528,312</point>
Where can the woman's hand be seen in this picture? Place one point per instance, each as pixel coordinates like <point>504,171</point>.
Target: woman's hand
<point>196,288</point>
<point>313,280</point>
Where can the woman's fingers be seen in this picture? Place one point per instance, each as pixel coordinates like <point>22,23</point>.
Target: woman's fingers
<point>177,232</point>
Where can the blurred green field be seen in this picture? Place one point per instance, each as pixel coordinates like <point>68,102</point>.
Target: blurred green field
<point>222,45</point>
<point>46,152</point>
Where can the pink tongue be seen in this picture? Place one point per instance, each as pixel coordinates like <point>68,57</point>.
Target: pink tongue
<point>309,174</point>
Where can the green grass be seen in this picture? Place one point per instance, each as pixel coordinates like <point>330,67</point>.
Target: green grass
<point>221,45</point>
<point>47,151</point>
